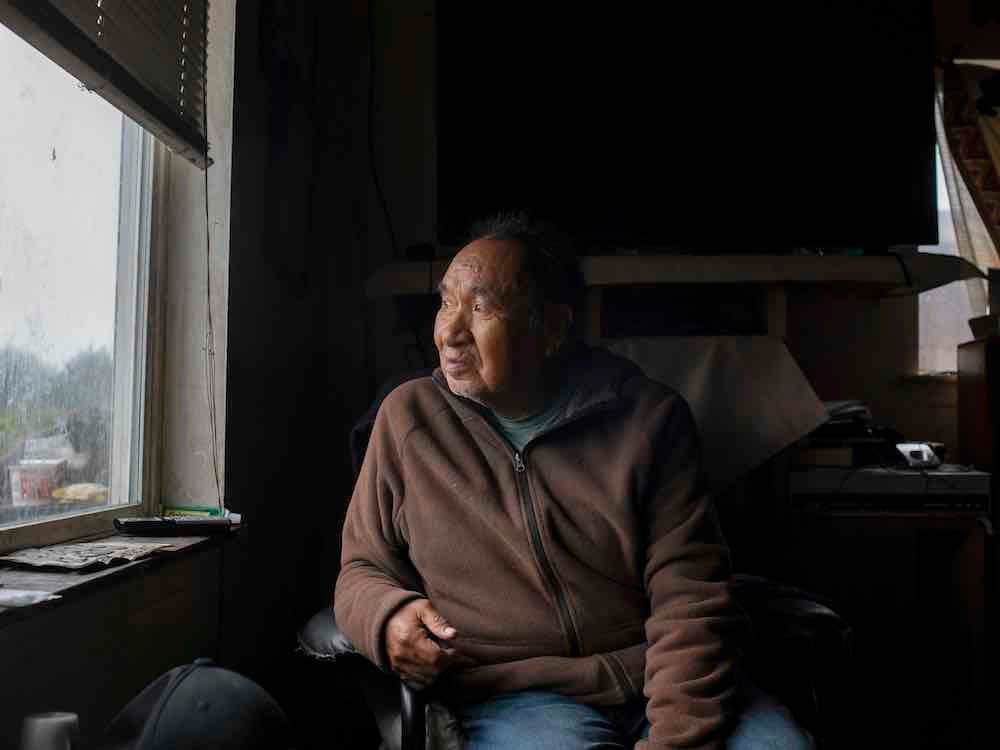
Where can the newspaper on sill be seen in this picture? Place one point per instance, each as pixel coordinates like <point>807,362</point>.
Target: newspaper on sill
<point>83,555</point>
<point>24,597</point>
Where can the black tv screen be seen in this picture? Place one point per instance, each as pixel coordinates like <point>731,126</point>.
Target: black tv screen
<point>713,129</point>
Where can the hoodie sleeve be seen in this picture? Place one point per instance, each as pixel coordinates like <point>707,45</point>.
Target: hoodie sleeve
<point>376,577</point>
<point>694,622</point>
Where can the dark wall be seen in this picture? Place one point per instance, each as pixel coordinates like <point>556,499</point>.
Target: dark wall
<point>296,350</point>
<point>317,118</point>
<point>320,121</point>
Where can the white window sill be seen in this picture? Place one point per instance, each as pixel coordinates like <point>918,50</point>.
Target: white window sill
<point>72,585</point>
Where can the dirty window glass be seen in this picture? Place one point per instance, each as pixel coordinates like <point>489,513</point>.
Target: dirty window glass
<point>66,360</point>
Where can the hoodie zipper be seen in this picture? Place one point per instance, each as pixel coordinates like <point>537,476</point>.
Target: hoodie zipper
<point>524,490</point>
<point>548,572</point>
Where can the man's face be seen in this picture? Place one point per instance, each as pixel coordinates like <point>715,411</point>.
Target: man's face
<point>487,349</point>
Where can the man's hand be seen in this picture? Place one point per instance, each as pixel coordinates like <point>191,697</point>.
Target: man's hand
<point>411,643</point>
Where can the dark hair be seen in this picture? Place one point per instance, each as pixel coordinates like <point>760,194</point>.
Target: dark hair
<point>551,269</point>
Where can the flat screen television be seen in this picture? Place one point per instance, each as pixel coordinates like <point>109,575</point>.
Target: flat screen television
<point>717,128</point>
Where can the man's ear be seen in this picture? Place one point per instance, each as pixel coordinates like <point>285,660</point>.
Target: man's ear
<point>558,319</point>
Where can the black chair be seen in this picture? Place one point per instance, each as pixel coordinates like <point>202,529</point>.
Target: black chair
<point>798,648</point>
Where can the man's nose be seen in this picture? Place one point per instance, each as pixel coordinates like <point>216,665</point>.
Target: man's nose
<point>455,328</point>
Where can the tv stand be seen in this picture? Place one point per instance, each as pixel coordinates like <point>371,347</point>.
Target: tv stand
<point>878,275</point>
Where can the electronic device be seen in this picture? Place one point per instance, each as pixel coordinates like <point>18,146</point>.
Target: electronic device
<point>918,455</point>
<point>712,128</point>
<point>979,401</point>
<point>948,487</point>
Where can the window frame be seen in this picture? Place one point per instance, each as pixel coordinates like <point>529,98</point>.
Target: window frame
<point>145,223</point>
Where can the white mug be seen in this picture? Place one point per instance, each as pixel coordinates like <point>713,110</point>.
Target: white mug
<point>54,730</point>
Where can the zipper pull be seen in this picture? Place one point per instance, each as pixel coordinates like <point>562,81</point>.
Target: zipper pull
<point>518,463</point>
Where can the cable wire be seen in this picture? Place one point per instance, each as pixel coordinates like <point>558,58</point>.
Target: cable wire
<point>209,347</point>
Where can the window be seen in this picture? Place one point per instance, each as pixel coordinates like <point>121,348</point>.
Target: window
<point>965,171</point>
<point>75,213</point>
<point>945,311</point>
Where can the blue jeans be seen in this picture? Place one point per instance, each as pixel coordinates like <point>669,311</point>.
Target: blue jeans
<point>535,720</point>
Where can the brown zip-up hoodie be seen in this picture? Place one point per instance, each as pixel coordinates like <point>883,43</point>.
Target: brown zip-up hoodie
<point>590,565</point>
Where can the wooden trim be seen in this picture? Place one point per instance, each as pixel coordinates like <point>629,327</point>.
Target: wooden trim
<point>775,307</point>
<point>591,324</point>
<point>930,378</point>
<point>152,443</point>
<point>405,278</point>
<point>887,274</point>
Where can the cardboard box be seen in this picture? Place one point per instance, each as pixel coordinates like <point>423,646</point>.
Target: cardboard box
<point>985,325</point>
<point>32,482</point>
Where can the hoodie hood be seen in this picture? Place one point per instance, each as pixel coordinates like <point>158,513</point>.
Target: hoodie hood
<point>593,376</point>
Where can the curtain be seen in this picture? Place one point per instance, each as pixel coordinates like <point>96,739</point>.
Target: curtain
<point>969,147</point>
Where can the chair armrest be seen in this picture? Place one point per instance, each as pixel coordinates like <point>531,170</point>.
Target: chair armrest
<point>412,718</point>
<point>321,639</point>
<point>783,612</point>
<point>799,648</point>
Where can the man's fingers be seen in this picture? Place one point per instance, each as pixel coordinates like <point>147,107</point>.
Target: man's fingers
<point>435,658</point>
<point>419,672</point>
<point>424,662</point>
<point>412,670</point>
<point>426,651</point>
<point>423,651</point>
<point>435,623</point>
<point>416,638</point>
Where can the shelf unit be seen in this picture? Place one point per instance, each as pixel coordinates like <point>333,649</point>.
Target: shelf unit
<point>881,275</point>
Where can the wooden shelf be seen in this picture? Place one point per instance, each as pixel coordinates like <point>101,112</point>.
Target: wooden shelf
<point>882,274</point>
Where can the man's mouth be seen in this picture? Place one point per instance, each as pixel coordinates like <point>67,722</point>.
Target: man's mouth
<point>456,365</point>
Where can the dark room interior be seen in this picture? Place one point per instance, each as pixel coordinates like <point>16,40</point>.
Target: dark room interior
<point>758,189</point>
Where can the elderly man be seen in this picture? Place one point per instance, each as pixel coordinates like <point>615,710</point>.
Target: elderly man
<point>529,537</point>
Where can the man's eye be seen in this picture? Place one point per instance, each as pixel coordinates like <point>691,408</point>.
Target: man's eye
<point>478,307</point>
<point>445,304</point>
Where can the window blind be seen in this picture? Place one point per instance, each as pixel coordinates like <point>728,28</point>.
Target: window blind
<point>146,57</point>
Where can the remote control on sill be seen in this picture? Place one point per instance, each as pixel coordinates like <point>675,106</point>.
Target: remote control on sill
<point>173,526</point>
